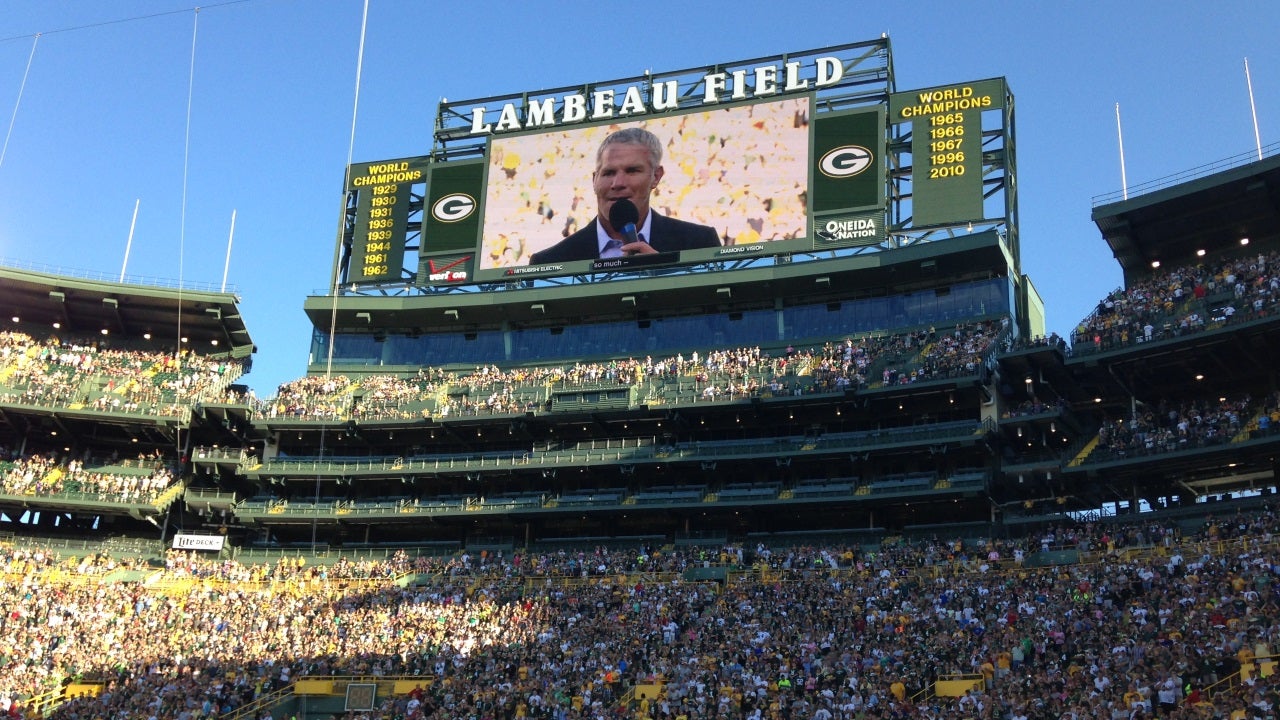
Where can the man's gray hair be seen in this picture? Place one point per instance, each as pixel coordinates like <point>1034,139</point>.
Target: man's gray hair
<point>633,136</point>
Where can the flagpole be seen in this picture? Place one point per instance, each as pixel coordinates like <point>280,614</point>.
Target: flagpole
<point>129,243</point>
<point>5,149</point>
<point>1124,182</point>
<point>1257,137</point>
<point>227,264</point>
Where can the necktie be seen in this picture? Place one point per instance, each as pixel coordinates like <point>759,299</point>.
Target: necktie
<point>612,249</point>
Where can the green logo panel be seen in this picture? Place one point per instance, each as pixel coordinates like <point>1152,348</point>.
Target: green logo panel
<point>848,161</point>
<point>453,208</point>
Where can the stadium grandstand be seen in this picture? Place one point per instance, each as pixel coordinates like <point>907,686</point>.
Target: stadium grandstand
<point>825,481</point>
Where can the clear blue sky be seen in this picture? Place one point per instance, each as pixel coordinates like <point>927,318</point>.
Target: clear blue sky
<point>102,117</point>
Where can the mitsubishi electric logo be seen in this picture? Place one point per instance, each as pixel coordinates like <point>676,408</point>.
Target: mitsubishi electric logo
<point>845,161</point>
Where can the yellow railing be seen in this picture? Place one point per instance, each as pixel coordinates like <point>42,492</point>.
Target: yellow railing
<point>330,685</point>
<point>1084,452</point>
<point>40,705</point>
<point>257,705</point>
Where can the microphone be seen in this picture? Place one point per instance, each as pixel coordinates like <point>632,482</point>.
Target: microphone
<point>623,216</point>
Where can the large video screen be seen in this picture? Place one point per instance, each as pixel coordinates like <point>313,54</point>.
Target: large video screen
<point>770,157</point>
<point>732,182</point>
<point>742,171</point>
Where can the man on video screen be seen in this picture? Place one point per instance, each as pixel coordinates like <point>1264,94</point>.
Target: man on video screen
<point>628,168</point>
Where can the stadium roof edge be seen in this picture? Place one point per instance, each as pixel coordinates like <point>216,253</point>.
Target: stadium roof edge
<point>1165,226</point>
<point>44,302</point>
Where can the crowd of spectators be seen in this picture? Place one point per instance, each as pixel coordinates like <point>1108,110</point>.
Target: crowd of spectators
<point>315,396</point>
<point>725,374</point>
<point>961,352</point>
<point>1152,619</point>
<point>1171,426</point>
<point>1035,406</point>
<point>845,365</point>
<point>1183,300</point>
<point>55,372</point>
<point>50,474</point>
<point>1052,340</point>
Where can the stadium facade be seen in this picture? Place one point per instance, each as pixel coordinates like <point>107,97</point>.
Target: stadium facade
<point>861,357</point>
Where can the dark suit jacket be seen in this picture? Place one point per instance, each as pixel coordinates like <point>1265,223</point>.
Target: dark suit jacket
<point>668,235</point>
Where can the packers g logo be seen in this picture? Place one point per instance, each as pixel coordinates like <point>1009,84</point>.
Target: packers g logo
<point>452,208</point>
<point>845,161</point>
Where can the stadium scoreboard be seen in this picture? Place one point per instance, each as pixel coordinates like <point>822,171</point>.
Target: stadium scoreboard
<point>780,155</point>
<point>946,148</point>
<point>379,198</point>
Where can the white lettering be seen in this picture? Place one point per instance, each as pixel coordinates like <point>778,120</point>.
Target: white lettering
<point>714,85</point>
<point>835,226</point>
<point>478,125</point>
<point>766,80</point>
<point>212,543</point>
<point>633,103</point>
<point>666,95</point>
<point>449,276</point>
<point>739,85</point>
<point>602,104</point>
<point>541,113</point>
<point>575,108</point>
<point>850,229</point>
<point>730,85</point>
<point>510,118</point>
<point>829,70</point>
<point>533,269</point>
<point>793,78</point>
<point>739,249</point>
